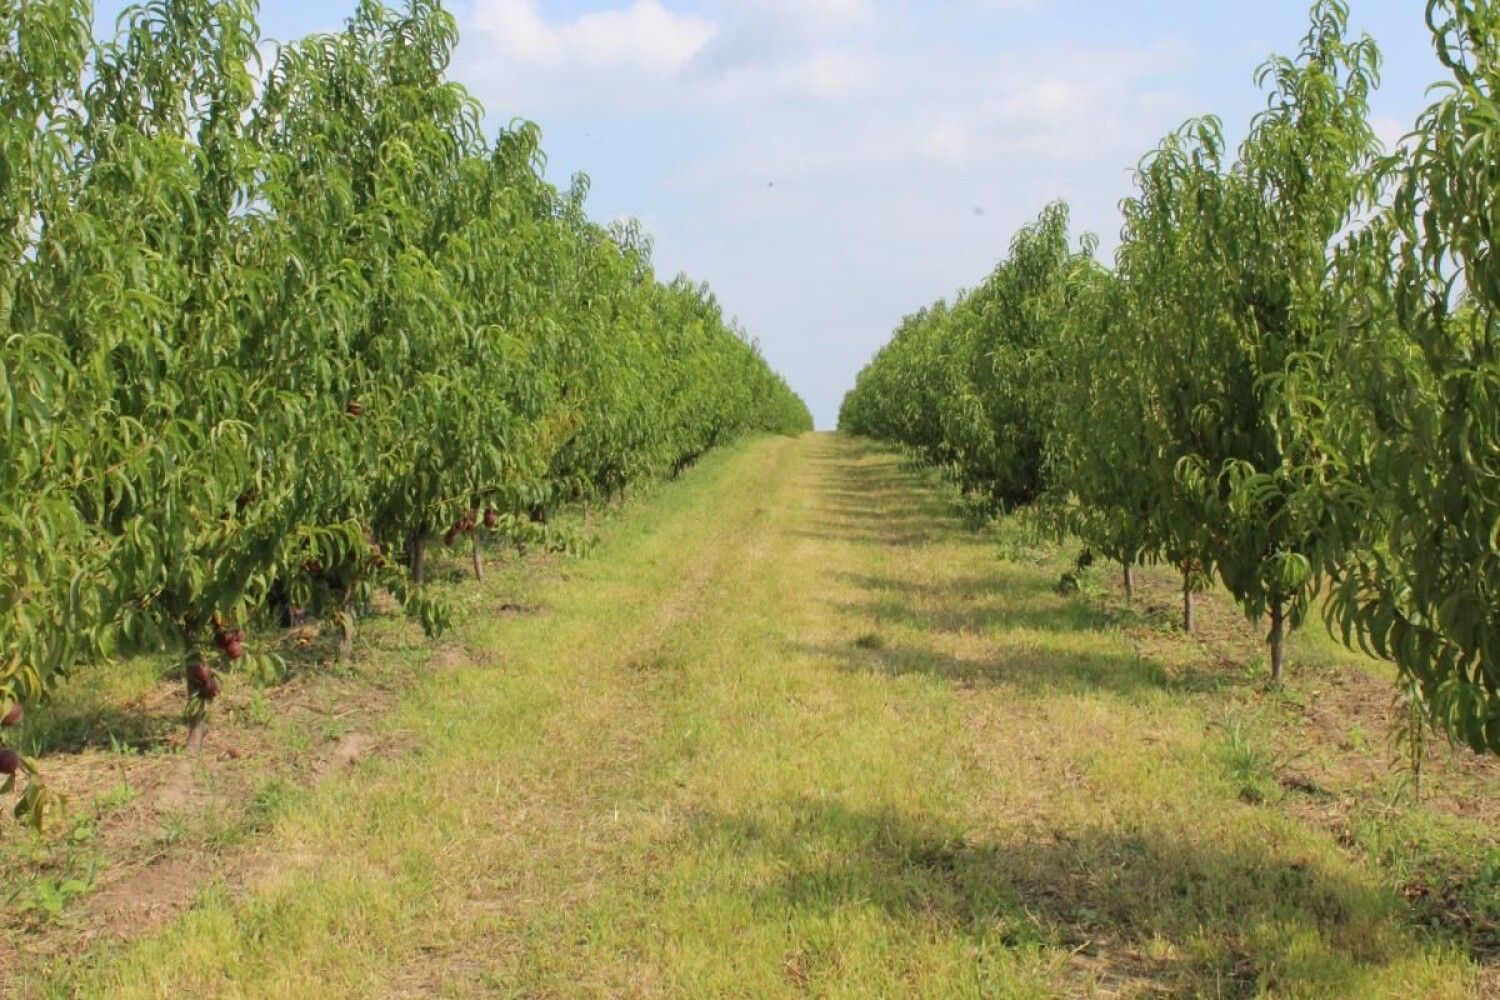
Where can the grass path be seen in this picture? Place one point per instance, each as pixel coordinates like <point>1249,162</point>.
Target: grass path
<point>793,730</point>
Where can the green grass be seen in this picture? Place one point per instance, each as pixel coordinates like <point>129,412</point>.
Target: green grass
<point>795,729</point>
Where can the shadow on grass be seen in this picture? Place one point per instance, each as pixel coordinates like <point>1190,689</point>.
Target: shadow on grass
<point>74,728</point>
<point>1032,668</point>
<point>137,704</point>
<point>1224,913</point>
<point>1231,919</point>
<point>1005,598</point>
<point>905,513</point>
<point>873,502</point>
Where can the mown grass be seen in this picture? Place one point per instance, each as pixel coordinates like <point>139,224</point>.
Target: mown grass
<point>795,729</point>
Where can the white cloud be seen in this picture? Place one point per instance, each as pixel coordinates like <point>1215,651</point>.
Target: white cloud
<point>910,114</point>
<point>1390,131</point>
<point>649,56</point>
<point>948,141</point>
<point>1046,100</point>
<point>645,35</point>
<point>823,75</point>
<point>831,73</point>
<point>803,155</point>
<point>817,14</point>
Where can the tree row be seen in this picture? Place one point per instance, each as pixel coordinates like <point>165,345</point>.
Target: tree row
<point>1287,381</point>
<point>275,318</point>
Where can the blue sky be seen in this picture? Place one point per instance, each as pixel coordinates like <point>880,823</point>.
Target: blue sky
<point>831,165</point>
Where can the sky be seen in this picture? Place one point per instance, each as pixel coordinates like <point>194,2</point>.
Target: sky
<point>829,166</point>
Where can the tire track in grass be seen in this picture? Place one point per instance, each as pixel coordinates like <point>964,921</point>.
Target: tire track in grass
<point>600,826</point>
<point>802,849</point>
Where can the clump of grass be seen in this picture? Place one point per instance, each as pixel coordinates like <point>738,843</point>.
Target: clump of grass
<point>1022,537</point>
<point>1246,760</point>
<point>870,640</point>
<point>1431,860</point>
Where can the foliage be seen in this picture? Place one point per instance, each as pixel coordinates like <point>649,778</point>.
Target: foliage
<point>1414,427</point>
<point>1099,446</point>
<point>270,324</point>
<point>968,385</point>
<point>1289,377</point>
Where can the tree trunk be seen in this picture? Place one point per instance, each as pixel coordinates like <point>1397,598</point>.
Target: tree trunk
<point>1277,639</point>
<point>198,721</point>
<point>1129,581</point>
<point>197,729</point>
<point>478,561</point>
<point>419,556</point>
<point>1187,603</point>
<point>346,625</point>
